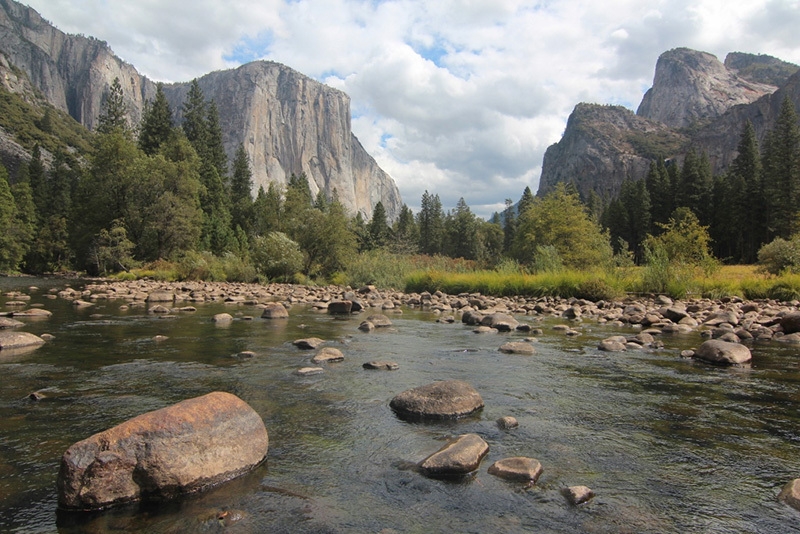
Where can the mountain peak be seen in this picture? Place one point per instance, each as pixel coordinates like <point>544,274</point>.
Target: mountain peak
<point>691,86</point>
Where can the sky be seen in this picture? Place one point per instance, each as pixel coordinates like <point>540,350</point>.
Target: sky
<point>457,97</point>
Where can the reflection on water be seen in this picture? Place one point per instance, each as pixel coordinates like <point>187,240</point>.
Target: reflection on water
<point>668,444</point>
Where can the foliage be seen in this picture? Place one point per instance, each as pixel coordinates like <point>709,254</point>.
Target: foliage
<point>15,227</point>
<point>683,239</point>
<point>156,125</point>
<point>276,256</point>
<point>780,256</point>
<point>560,220</point>
<point>114,112</point>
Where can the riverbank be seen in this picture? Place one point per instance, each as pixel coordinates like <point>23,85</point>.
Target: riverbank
<point>730,318</point>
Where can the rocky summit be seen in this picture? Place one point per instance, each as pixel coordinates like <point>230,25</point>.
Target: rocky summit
<point>695,100</point>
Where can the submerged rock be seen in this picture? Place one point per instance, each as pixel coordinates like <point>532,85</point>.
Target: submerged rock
<point>517,347</point>
<point>309,343</point>
<point>578,494</point>
<point>328,354</point>
<point>274,310</point>
<point>517,468</point>
<point>790,494</point>
<point>458,457</point>
<point>443,400</point>
<point>183,448</point>
<point>722,352</point>
<point>381,365</point>
<point>13,340</point>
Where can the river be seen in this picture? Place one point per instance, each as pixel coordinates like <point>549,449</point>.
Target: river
<point>667,444</point>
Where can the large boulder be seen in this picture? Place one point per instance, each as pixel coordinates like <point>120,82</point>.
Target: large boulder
<point>722,352</point>
<point>459,456</point>
<point>517,347</point>
<point>438,400</point>
<point>14,340</point>
<point>379,320</point>
<point>340,307</point>
<point>179,449</point>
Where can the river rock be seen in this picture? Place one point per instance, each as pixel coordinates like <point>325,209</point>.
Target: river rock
<point>161,296</point>
<point>7,322</point>
<point>507,422</point>
<point>222,318</point>
<point>517,468</point>
<point>578,494</point>
<point>613,344</point>
<point>304,371</point>
<point>33,313</point>
<point>790,494</point>
<point>722,352</point>
<point>379,320</point>
<point>790,323</point>
<point>308,343</point>
<point>13,340</point>
<point>328,354</point>
<point>442,400</point>
<point>183,448</point>
<point>381,365</point>
<point>274,310</point>
<point>340,307</point>
<point>366,326</point>
<point>459,456</point>
<point>517,347</point>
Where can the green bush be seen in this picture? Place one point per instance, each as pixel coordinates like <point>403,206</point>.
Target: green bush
<point>780,256</point>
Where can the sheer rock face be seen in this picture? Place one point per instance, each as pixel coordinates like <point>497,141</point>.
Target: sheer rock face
<point>603,145</point>
<point>287,122</point>
<point>179,449</point>
<point>691,85</point>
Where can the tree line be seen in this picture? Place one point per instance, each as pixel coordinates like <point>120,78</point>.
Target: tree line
<point>754,203</point>
<point>160,191</point>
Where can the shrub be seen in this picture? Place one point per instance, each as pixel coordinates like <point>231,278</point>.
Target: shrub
<point>276,256</point>
<point>780,256</point>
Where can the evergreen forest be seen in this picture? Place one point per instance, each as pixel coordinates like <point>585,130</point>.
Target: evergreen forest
<point>156,196</point>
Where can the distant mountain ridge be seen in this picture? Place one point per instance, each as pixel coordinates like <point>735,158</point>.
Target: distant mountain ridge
<point>695,100</point>
<point>288,123</point>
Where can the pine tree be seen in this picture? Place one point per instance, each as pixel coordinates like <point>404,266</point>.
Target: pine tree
<point>696,185</point>
<point>462,232</point>
<point>156,127</point>
<point>781,167</point>
<point>241,187</point>
<point>406,233</point>
<point>745,199</point>
<point>113,112</point>
<point>194,118</point>
<point>660,190</point>
<point>378,227</point>
<point>430,221</point>
<point>509,225</point>
<point>525,201</point>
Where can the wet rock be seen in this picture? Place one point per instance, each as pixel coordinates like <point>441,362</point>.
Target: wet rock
<point>161,296</point>
<point>274,310</point>
<point>459,456</point>
<point>7,322</point>
<point>507,422</point>
<point>12,340</point>
<point>308,343</point>
<point>379,320</point>
<point>438,400</point>
<point>48,337</point>
<point>722,352</point>
<point>158,308</point>
<point>790,494</point>
<point>180,449</point>
<point>222,318</point>
<point>245,354</point>
<point>328,354</point>
<point>790,323</point>
<point>503,322</point>
<point>518,468</point>
<point>160,338</point>
<point>381,365</point>
<point>613,344</point>
<point>578,494</point>
<point>484,330</point>
<point>675,314</point>
<point>305,371</point>
<point>33,313</point>
<point>366,326</point>
<point>790,338</point>
<point>517,347</point>
<point>340,307</point>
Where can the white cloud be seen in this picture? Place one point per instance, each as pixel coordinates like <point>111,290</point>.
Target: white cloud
<point>459,97</point>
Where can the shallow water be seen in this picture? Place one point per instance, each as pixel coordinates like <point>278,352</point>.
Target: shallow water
<point>667,444</point>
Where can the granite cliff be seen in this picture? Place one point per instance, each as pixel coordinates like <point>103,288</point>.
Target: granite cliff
<point>287,122</point>
<point>696,100</point>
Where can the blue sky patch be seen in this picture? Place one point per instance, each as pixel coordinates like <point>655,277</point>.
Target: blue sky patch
<point>251,48</point>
